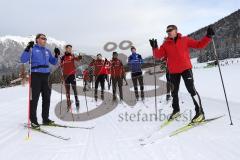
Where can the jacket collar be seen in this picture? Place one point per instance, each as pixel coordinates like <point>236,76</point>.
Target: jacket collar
<point>179,36</point>
<point>38,46</point>
<point>67,54</point>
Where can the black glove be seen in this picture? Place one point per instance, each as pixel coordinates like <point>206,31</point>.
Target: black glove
<point>105,61</point>
<point>210,32</point>
<point>79,56</point>
<point>153,43</point>
<point>29,46</point>
<point>57,52</point>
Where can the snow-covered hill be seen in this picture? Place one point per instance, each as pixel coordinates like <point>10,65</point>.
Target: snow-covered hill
<point>116,139</point>
<point>12,46</point>
<point>24,40</point>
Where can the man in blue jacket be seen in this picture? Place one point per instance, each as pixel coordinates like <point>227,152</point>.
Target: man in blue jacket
<point>40,57</point>
<point>135,62</point>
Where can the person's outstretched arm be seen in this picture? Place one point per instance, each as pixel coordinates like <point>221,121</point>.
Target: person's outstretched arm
<point>198,44</point>
<point>26,54</point>
<point>158,53</point>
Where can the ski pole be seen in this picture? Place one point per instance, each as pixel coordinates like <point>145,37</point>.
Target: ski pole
<point>155,84</point>
<point>61,98</point>
<point>61,86</point>
<point>29,90</point>
<point>86,102</point>
<point>93,79</point>
<point>220,72</point>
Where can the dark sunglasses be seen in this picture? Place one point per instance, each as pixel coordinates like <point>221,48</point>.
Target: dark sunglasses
<point>43,38</point>
<point>169,30</point>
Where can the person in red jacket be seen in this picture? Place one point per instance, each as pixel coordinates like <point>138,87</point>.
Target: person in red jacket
<point>69,71</point>
<point>86,80</point>
<point>100,74</point>
<point>176,50</point>
<point>117,75</point>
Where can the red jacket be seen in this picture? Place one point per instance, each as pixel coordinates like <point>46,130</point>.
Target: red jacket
<point>99,66</point>
<point>117,69</point>
<point>177,54</point>
<point>67,64</point>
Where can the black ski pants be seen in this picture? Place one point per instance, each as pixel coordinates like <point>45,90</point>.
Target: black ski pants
<point>187,76</point>
<point>71,80</point>
<point>168,84</point>
<point>39,84</point>
<point>138,78</point>
<point>100,79</point>
<point>117,81</point>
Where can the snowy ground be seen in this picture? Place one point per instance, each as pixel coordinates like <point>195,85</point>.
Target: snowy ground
<point>116,139</point>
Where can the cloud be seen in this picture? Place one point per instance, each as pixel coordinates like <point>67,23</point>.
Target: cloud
<point>88,25</point>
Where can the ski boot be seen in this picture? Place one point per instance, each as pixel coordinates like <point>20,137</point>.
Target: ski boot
<point>174,115</point>
<point>48,122</point>
<point>199,117</point>
<point>35,125</point>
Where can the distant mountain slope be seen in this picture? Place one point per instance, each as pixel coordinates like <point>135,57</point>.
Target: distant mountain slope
<point>227,39</point>
<point>11,48</point>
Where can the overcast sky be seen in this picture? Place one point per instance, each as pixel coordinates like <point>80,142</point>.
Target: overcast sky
<point>89,24</point>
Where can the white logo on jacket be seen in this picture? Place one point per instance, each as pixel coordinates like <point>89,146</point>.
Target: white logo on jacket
<point>46,54</point>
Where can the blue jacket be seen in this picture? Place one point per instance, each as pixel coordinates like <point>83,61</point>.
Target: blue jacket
<point>41,56</point>
<point>135,62</point>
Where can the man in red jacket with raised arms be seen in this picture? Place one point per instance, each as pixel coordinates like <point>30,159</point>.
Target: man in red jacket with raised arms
<point>69,74</point>
<point>176,50</point>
